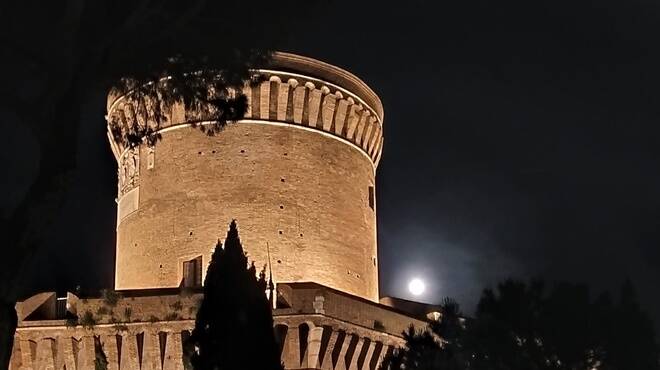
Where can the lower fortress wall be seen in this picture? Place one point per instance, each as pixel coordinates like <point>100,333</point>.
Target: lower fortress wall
<point>318,328</point>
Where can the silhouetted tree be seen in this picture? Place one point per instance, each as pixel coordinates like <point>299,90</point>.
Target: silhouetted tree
<point>439,346</point>
<point>529,327</point>
<point>526,326</point>
<point>59,55</point>
<point>234,326</point>
<point>632,342</point>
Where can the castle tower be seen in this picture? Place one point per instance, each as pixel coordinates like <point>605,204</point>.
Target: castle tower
<point>298,173</point>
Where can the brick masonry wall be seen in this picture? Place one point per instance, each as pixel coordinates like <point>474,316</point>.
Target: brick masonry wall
<point>296,174</point>
<point>303,193</point>
<point>322,329</point>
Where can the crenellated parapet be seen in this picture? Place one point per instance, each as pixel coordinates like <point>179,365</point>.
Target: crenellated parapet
<point>297,91</point>
<point>312,103</point>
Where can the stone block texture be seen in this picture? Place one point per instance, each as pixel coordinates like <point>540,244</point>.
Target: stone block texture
<point>320,328</point>
<point>298,175</point>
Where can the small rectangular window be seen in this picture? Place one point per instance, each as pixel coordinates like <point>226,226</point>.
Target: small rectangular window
<point>372,200</point>
<point>192,273</point>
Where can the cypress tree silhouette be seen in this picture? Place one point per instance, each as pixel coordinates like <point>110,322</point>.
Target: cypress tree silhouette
<point>234,325</point>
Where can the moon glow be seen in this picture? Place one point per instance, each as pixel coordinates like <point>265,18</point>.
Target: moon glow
<point>416,287</point>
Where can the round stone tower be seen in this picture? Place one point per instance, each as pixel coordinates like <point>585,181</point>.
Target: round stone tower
<point>297,173</point>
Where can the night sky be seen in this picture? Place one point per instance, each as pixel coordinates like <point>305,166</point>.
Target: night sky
<point>521,140</point>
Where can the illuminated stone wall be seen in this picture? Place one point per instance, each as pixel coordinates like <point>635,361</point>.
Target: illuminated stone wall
<point>321,329</point>
<point>297,173</point>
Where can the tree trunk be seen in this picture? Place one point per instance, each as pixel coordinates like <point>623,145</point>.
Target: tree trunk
<point>8,322</point>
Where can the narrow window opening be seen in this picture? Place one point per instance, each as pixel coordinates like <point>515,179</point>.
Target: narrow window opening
<point>372,200</point>
<point>280,336</point>
<point>140,345</point>
<point>303,335</point>
<point>162,341</point>
<point>187,348</point>
<point>192,273</point>
<point>119,340</point>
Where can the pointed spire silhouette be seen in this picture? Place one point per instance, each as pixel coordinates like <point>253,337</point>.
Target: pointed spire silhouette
<point>271,285</point>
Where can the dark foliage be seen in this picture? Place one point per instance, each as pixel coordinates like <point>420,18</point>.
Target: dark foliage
<point>88,321</point>
<point>529,327</point>
<point>200,84</point>
<point>437,347</point>
<point>60,55</point>
<point>234,325</point>
<point>110,297</point>
<point>197,53</point>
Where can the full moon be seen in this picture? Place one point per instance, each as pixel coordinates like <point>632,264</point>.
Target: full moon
<point>416,287</point>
